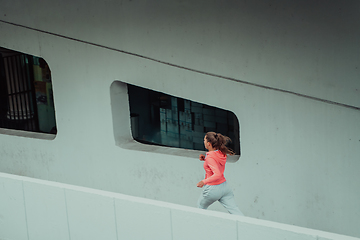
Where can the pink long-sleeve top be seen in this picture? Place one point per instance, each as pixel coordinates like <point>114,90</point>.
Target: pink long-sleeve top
<point>214,166</point>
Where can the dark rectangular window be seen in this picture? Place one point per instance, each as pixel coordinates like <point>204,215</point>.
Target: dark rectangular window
<point>26,97</point>
<point>160,119</point>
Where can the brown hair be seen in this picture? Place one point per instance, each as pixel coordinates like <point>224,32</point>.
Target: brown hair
<point>219,141</point>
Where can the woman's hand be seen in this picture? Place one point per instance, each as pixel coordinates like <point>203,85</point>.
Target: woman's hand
<point>201,157</point>
<point>200,184</point>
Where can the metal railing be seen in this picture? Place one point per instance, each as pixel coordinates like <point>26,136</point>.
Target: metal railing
<point>17,96</point>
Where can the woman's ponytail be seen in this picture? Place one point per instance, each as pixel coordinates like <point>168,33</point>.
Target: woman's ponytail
<point>219,142</point>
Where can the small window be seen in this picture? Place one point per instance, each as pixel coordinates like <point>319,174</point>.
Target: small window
<point>26,95</point>
<point>161,119</point>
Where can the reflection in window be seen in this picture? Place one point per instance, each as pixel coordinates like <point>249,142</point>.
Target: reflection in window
<point>26,97</point>
<point>161,119</point>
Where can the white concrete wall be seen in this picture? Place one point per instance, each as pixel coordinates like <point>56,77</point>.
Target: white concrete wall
<point>307,47</point>
<point>300,156</point>
<point>38,209</point>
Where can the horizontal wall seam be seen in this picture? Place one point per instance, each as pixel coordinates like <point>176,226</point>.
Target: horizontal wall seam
<point>186,68</point>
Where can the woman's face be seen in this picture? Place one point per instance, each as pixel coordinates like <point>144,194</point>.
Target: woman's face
<point>206,143</point>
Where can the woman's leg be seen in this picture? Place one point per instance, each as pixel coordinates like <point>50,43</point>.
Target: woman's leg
<point>209,195</point>
<point>228,201</point>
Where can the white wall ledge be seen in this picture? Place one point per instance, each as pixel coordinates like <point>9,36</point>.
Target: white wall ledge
<point>27,134</point>
<point>35,209</point>
<point>134,145</point>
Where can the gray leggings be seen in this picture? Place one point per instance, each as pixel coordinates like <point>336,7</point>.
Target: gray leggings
<point>221,193</point>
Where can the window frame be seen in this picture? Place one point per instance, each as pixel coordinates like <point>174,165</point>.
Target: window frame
<point>122,127</point>
<point>19,104</point>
